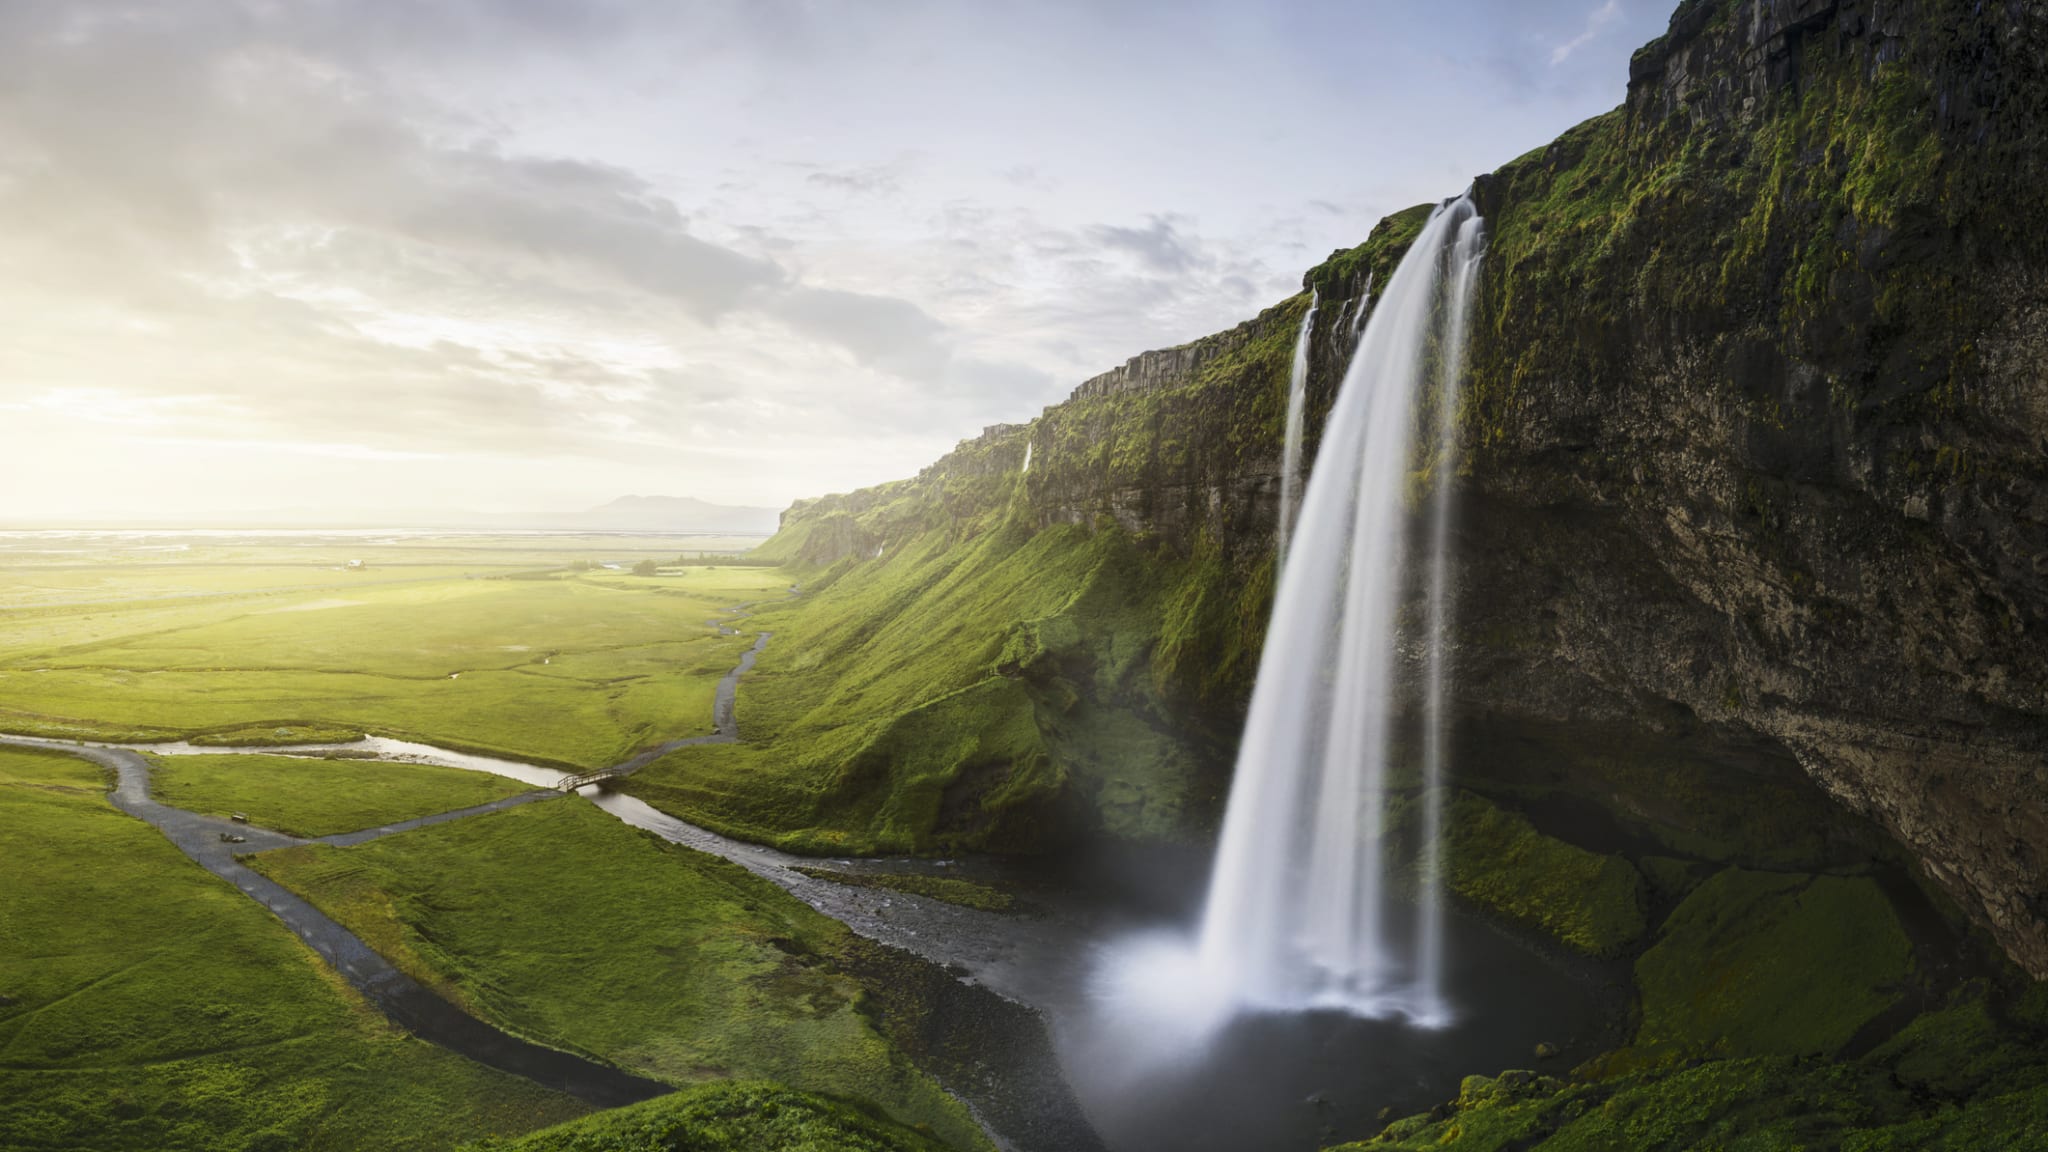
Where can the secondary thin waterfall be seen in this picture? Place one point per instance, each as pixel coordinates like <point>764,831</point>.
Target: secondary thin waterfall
<point>1429,948</point>
<point>1297,390</point>
<point>1299,913</point>
<point>1364,301</point>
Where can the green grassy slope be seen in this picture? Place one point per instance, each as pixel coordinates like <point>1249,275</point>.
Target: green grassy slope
<point>1763,1024</point>
<point>726,1118</point>
<point>960,691</point>
<point>1772,963</point>
<point>145,1004</point>
<point>559,923</point>
<point>1590,901</point>
<point>1760,1103</point>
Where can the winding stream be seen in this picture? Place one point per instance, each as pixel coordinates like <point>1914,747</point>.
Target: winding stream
<point>401,998</point>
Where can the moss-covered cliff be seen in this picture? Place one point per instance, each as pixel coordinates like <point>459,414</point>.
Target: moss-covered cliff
<point>1756,442</point>
<point>1760,419</point>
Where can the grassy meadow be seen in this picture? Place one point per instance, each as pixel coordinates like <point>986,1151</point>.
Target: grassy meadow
<point>176,1013</point>
<point>668,962</point>
<point>524,647</point>
<point>146,1004</point>
<point>307,796</point>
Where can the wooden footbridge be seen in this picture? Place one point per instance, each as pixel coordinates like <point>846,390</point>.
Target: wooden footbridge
<point>572,783</point>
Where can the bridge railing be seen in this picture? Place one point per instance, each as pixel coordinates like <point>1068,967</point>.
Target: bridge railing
<point>572,783</point>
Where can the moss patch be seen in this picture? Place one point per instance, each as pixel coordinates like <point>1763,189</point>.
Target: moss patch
<point>1772,963</point>
<point>1756,1103</point>
<point>1669,879</point>
<point>1963,1049</point>
<point>750,1117</point>
<point>1498,860</point>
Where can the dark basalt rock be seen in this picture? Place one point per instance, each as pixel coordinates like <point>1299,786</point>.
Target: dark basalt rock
<point>1806,496</point>
<point>1756,431</point>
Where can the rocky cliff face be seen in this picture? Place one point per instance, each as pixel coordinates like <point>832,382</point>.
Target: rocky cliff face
<point>1757,432</point>
<point>1760,427</point>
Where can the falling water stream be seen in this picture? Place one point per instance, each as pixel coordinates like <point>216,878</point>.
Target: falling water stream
<point>1364,302</point>
<point>1301,912</point>
<point>1297,392</point>
<point>1465,254</point>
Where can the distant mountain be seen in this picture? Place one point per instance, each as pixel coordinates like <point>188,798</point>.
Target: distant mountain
<point>672,514</point>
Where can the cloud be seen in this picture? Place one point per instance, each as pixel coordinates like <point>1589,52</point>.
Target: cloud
<point>894,335</point>
<point>1159,246</point>
<point>879,180</point>
<point>297,244</point>
<point>514,243</point>
<point>576,218</point>
<point>1596,20</point>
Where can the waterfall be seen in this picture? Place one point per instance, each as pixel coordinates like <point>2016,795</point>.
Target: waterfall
<point>1298,914</point>
<point>1297,389</point>
<point>1429,946</point>
<point>1027,458</point>
<point>1364,299</point>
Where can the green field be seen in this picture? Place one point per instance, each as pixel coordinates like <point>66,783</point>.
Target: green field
<point>145,1004</point>
<point>671,963</point>
<point>573,668</point>
<point>176,1013</point>
<point>304,796</point>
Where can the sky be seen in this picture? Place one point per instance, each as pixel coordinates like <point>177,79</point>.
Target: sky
<point>356,257</point>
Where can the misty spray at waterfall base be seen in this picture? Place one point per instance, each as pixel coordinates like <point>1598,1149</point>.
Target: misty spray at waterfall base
<point>1326,894</point>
